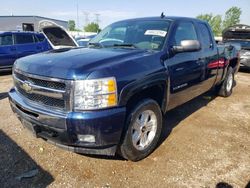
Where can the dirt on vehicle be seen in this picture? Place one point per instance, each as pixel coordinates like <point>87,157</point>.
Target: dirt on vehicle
<point>205,143</point>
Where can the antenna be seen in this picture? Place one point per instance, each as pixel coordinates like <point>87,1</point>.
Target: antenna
<point>162,15</point>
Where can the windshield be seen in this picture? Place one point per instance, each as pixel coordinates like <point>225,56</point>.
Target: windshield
<point>244,44</point>
<point>140,34</point>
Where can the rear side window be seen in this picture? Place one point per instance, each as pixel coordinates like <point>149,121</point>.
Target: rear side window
<point>185,31</point>
<point>205,36</point>
<point>24,39</point>
<point>6,40</point>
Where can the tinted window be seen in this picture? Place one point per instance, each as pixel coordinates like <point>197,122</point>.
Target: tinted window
<point>24,39</point>
<point>205,34</point>
<point>6,40</point>
<point>185,31</point>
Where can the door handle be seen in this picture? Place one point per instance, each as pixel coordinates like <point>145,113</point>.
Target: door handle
<point>179,69</point>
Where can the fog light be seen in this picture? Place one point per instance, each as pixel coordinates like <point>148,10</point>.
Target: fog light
<point>86,138</point>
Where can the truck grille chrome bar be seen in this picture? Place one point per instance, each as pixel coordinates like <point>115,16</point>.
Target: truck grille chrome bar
<point>42,91</point>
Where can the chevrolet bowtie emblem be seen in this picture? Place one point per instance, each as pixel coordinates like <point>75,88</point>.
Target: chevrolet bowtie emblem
<point>26,86</point>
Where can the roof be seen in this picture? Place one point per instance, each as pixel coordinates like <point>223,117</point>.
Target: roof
<point>171,18</point>
<point>13,32</point>
<point>237,27</point>
<point>32,16</point>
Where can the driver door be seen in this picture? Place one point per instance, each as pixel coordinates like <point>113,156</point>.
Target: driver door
<point>185,68</point>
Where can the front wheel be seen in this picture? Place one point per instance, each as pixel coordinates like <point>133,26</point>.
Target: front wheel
<point>226,88</point>
<point>144,125</point>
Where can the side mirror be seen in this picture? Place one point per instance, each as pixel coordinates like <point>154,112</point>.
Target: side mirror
<point>187,46</point>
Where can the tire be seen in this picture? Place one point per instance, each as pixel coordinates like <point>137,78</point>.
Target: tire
<point>143,130</point>
<point>226,88</point>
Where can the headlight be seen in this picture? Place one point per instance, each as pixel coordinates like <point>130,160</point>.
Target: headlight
<point>95,94</point>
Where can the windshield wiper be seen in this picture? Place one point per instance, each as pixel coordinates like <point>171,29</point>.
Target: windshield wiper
<point>96,44</point>
<point>125,45</point>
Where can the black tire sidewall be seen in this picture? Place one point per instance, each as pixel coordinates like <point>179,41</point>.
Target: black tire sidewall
<point>128,150</point>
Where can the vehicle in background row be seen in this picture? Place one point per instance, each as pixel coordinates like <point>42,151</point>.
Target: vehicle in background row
<point>14,45</point>
<point>57,35</point>
<point>111,97</point>
<point>239,34</point>
<point>83,42</point>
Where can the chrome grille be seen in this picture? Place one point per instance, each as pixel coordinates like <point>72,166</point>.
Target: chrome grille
<point>43,100</point>
<point>43,83</point>
<point>41,91</point>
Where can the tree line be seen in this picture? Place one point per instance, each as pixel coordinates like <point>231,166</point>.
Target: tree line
<point>91,27</point>
<point>218,24</point>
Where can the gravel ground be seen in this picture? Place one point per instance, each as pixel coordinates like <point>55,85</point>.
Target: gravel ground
<point>205,144</point>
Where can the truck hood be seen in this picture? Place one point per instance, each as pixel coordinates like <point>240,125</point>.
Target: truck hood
<point>75,63</point>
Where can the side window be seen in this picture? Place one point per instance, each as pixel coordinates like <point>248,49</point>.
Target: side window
<point>206,36</point>
<point>24,39</point>
<point>185,31</point>
<point>6,40</point>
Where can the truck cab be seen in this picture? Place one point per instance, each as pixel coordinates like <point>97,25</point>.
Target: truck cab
<point>111,97</point>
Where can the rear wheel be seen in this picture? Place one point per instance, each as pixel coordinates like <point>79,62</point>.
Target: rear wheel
<point>144,125</point>
<point>226,88</point>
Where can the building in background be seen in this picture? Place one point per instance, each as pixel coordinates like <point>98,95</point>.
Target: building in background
<point>25,23</point>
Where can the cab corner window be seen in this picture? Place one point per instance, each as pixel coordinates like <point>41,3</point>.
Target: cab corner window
<point>206,36</point>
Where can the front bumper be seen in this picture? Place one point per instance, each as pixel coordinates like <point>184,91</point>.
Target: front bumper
<point>62,129</point>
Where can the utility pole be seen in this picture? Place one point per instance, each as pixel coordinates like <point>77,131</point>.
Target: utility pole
<point>86,15</point>
<point>77,15</point>
<point>97,15</point>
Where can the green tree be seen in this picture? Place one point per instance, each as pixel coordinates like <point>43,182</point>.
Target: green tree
<point>92,27</point>
<point>214,21</point>
<point>232,17</point>
<point>72,25</point>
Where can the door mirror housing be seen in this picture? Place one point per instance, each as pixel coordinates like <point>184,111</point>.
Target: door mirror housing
<point>187,46</point>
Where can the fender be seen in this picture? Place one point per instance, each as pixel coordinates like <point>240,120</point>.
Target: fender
<point>159,78</point>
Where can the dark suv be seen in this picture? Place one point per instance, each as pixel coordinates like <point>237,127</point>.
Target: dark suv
<point>14,45</point>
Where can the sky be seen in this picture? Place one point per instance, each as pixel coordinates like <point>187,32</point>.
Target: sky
<point>113,10</point>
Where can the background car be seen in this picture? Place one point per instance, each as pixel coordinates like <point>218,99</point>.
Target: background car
<point>83,42</point>
<point>239,34</point>
<point>14,45</point>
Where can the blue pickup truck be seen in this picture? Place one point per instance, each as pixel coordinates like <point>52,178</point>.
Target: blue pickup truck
<point>111,97</point>
<point>14,45</point>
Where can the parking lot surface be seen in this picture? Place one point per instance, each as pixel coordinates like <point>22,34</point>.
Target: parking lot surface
<point>205,143</point>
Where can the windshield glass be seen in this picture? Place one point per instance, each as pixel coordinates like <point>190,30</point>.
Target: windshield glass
<point>244,44</point>
<point>142,34</point>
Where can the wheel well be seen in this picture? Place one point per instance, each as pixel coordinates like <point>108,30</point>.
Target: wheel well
<point>156,93</point>
<point>233,63</point>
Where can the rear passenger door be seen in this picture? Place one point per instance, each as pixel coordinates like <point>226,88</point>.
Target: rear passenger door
<point>7,51</point>
<point>185,68</point>
<point>25,44</point>
<point>209,56</point>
